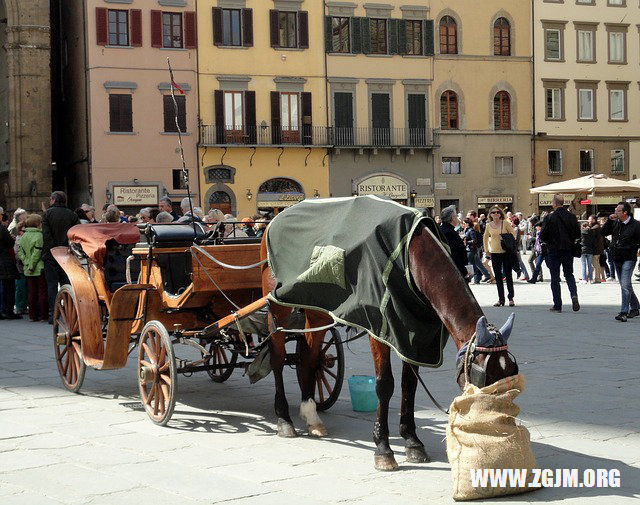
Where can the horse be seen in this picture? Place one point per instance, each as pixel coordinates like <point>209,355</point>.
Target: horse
<point>438,280</point>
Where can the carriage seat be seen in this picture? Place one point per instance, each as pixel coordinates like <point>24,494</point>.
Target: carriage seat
<point>176,271</point>
<point>173,234</point>
<point>115,265</point>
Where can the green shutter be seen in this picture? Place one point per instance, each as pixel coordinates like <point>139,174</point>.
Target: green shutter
<point>392,36</point>
<point>328,36</point>
<point>428,37</point>
<point>402,36</point>
<point>365,29</point>
<point>356,35</point>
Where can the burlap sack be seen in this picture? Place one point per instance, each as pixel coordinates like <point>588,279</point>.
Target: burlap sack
<point>482,433</point>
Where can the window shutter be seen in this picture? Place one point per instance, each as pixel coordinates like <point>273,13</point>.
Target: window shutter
<point>217,26</point>
<point>356,35</point>
<point>276,133</point>
<point>190,30</point>
<point>114,113</point>
<point>102,29</point>
<point>156,28</point>
<point>392,36</point>
<point>250,125</point>
<point>307,119</point>
<point>167,107</point>
<point>126,113</point>
<point>136,28</point>
<point>273,25</point>
<point>218,106</point>
<point>303,30</point>
<point>365,29</point>
<point>402,36</point>
<point>328,35</point>
<point>247,27</point>
<point>428,37</point>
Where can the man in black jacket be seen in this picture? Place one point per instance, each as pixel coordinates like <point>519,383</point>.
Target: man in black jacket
<point>55,223</point>
<point>458,252</point>
<point>625,241</point>
<point>560,230</point>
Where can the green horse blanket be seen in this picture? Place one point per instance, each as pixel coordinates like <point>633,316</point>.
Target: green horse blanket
<point>349,257</point>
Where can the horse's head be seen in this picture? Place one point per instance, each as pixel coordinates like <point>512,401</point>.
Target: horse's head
<point>489,359</point>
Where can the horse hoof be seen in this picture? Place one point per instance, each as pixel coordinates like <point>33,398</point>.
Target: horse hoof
<point>417,455</point>
<point>318,430</point>
<point>385,463</point>
<point>286,430</point>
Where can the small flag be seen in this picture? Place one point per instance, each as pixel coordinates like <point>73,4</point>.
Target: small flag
<point>175,85</point>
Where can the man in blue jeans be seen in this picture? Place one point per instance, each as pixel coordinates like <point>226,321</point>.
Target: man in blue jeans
<point>625,240</point>
<point>560,230</point>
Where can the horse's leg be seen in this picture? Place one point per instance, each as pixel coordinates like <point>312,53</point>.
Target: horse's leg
<point>383,457</point>
<point>308,365</point>
<point>414,448</point>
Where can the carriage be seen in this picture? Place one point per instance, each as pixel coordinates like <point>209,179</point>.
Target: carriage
<point>157,287</point>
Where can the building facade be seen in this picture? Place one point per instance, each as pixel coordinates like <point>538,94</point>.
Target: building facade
<point>25,104</point>
<point>263,143</point>
<point>122,143</point>
<point>482,96</point>
<point>587,99</point>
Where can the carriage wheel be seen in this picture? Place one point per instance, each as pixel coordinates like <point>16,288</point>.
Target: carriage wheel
<point>157,372</point>
<point>330,375</point>
<point>66,340</point>
<point>221,356</point>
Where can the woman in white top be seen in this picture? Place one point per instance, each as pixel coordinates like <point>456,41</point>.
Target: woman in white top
<point>500,259</point>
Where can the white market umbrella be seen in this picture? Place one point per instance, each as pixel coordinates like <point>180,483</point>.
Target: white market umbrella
<point>595,184</point>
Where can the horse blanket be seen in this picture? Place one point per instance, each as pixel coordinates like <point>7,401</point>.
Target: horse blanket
<point>349,257</point>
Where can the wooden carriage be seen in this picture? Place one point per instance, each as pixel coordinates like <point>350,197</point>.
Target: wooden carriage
<point>160,286</point>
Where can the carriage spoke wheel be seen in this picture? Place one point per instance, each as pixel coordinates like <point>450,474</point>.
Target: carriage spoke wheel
<point>221,356</point>
<point>157,372</point>
<point>330,374</point>
<point>66,340</point>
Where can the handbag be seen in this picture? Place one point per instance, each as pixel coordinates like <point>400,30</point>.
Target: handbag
<point>508,242</point>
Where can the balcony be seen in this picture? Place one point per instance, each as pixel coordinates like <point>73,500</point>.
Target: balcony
<point>319,136</point>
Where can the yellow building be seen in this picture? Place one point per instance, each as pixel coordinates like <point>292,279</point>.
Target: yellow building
<point>263,110</point>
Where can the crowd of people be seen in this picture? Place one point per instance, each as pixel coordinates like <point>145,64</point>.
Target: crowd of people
<point>30,276</point>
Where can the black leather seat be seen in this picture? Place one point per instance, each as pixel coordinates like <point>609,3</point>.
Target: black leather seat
<point>115,265</point>
<point>176,271</point>
<point>173,234</point>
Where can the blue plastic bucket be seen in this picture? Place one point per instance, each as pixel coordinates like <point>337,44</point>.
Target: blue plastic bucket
<point>362,389</point>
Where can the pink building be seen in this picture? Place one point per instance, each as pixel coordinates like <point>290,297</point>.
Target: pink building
<point>121,141</point>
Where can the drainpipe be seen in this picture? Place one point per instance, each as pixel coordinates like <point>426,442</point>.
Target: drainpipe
<point>87,127</point>
<point>533,92</point>
<point>198,168</point>
<point>326,96</point>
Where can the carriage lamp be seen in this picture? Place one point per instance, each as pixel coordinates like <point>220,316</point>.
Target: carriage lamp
<point>354,193</point>
<point>249,195</point>
<point>316,193</point>
<point>413,193</point>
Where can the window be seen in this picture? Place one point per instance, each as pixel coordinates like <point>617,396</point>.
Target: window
<point>287,29</point>
<point>414,37</point>
<point>586,2</point>
<point>179,181</point>
<point>585,46</point>
<point>378,29</point>
<point>552,46</point>
<point>617,161</point>
<point>233,110</point>
<point>170,113</point>
<point>172,29</point>
<point>554,103</point>
<point>616,105</point>
<point>502,111</point>
<point>586,161</point>
<point>231,23</point>
<point>340,35</point>
<point>290,117</point>
<point>120,113</point>
<point>449,111</point>
<point>501,37</point>
<point>585,104</point>
<point>504,165</point>
<point>616,47</point>
<point>451,166</point>
<point>118,28</point>
<point>554,161</point>
<point>448,36</point>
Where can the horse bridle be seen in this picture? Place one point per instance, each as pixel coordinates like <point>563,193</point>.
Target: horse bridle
<point>478,373</point>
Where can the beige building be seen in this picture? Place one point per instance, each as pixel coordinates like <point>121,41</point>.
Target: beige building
<point>482,92</point>
<point>122,143</point>
<point>587,100</point>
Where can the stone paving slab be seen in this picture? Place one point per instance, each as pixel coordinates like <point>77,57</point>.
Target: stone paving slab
<point>581,405</point>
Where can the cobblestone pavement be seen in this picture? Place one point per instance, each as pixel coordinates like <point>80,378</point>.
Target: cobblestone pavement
<point>581,405</point>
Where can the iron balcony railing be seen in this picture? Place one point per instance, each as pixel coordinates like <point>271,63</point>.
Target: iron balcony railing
<point>214,135</point>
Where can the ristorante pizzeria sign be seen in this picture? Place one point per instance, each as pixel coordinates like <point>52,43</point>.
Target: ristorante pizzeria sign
<point>384,185</point>
<point>135,195</point>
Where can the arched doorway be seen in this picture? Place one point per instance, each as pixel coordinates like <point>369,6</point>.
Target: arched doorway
<point>220,200</point>
<point>278,193</point>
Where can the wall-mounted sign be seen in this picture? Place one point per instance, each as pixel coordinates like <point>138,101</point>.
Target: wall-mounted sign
<point>546,198</point>
<point>441,185</point>
<point>494,200</point>
<point>423,181</point>
<point>427,202</point>
<point>135,195</point>
<point>279,200</point>
<point>384,185</point>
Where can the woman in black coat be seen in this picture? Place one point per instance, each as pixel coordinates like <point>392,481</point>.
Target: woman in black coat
<point>8,274</point>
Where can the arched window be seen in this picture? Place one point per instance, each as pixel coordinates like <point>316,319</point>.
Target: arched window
<point>448,36</point>
<point>449,110</point>
<point>220,200</point>
<point>280,185</point>
<point>502,111</point>
<point>501,37</point>
<point>278,193</point>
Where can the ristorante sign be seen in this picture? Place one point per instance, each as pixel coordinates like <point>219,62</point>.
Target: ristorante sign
<point>135,195</point>
<point>384,185</point>
<point>279,200</point>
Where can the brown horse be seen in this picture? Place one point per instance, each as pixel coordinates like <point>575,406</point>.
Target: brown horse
<point>439,281</point>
